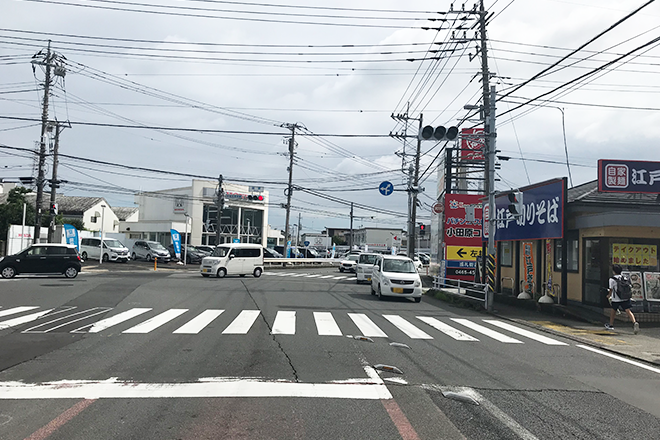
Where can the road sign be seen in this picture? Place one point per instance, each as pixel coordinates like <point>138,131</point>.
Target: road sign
<point>236,240</point>
<point>437,208</point>
<point>386,188</point>
<point>306,243</point>
<point>463,253</point>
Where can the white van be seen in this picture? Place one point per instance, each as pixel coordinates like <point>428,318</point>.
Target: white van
<point>113,250</point>
<point>234,259</point>
<point>365,265</point>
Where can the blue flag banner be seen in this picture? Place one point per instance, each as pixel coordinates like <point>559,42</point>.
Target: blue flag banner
<point>176,242</point>
<point>71,236</point>
<point>542,215</point>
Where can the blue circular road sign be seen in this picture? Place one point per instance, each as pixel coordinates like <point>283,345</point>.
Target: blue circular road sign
<point>386,188</point>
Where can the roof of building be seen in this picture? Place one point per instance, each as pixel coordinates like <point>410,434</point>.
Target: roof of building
<point>124,212</point>
<point>65,204</point>
<point>588,193</point>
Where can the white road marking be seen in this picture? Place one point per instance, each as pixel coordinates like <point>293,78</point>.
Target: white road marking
<point>199,322</point>
<point>339,278</point>
<point>523,332</point>
<point>447,329</point>
<point>230,387</point>
<point>156,321</point>
<point>285,323</point>
<point>366,325</point>
<point>22,320</point>
<point>66,320</point>
<point>299,275</point>
<point>313,276</point>
<point>326,325</point>
<point>486,331</point>
<point>15,310</point>
<point>242,323</point>
<point>620,358</point>
<point>406,327</point>
<point>326,276</point>
<point>113,320</point>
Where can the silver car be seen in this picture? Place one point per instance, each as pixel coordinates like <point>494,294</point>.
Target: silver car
<point>150,250</point>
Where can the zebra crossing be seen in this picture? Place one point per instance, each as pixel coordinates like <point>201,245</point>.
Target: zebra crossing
<point>310,275</point>
<point>416,327</point>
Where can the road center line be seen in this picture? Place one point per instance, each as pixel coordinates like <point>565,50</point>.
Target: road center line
<point>60,420</point>
<point>620,358</point>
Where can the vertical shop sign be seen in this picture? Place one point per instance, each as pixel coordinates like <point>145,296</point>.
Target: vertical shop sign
<point>528,255</point>
<point>652,286</point>
<point>637,287</point>
<point>548,265</point>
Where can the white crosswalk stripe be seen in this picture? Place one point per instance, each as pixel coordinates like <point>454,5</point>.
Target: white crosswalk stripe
<point>447,329</point>
<point>16,310</point>
<point>285,323</point>
<point>366,326</point>
<point>22,320</point>
<point>155,322</point>
<point>486,331</point>
<point>199,322</point>
<point>113,320</point>
<point>243,322</point>
<point>64,321</point>
<point>326,324</point>
<point>526,333</point>
<point>406,327</point>
<point>313,276</point>
<point>326,276</point>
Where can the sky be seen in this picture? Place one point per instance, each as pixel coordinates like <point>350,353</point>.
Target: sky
<point>201,87</point>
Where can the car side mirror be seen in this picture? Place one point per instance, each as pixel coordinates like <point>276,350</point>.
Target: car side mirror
<point>231,256</point>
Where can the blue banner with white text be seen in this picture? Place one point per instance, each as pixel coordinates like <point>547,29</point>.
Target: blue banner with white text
<point>629,176</point>
<point>71,235</point>
<point>176,242</point>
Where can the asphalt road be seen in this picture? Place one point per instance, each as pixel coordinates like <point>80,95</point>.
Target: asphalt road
<point>172,355</point>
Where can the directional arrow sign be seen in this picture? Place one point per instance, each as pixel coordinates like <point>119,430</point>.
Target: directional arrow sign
<point>463,253</point>
<point>386,188</point>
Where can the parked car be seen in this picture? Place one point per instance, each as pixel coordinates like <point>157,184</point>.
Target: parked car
<point>418,263</point>
<point>113,250</point>
<point>349,263</point>
<point>192,255</point>
<point>150,250</point>
<point>294,252</point>
<point>42,258</point>
<point>308,253</point>
<point>271,253</point>
<point>234,259</point>
<point>394,275</point>
<point>425,259</point>
<point>365,265</point>
<point>205,248</point>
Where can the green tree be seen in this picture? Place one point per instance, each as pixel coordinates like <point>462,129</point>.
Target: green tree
<point>338,240</point>
<point>11,213</point>
<point>75,222</point>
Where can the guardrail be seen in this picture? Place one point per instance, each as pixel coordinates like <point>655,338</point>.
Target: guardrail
<point>464,289</point>
<point>301,262</point>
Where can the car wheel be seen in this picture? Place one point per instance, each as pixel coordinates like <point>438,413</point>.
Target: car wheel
<point>380,295</point>
<point>418,299</point>
<point>205,275</point>
<point>341,269</point>
<point>222,272</point>
<point>71,272</point>
<point>8,272</point>
<point>242,275</point>
<point>149,257</point>
<point>84,256</point>
<point>257,272</point>
<point>133,257</point>
<point>105,258</point>
<point>373,292</point>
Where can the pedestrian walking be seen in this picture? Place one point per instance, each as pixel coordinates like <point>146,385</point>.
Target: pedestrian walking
<point>619,294</point>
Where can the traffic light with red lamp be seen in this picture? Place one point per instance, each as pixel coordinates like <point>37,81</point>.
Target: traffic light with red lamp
<point>515,203</point>
<point>422,229</point>
<point>53,209</point>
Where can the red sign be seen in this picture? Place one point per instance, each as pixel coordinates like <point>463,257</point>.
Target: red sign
<point>472,144</point>
<point>463,219</point>
<point>437,208</point>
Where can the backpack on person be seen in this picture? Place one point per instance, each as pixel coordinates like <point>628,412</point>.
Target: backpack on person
<point>623,287</point>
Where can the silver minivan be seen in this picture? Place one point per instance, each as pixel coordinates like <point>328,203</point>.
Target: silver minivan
<point>365,265</point>
<point>113,250</point>
<point>234,259</point>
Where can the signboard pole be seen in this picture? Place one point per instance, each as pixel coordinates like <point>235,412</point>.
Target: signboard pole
<point>563,300</point>
<point>490,137</point>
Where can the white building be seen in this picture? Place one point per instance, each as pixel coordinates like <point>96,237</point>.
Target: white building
<point>244,217</point>
<point>379,238</point>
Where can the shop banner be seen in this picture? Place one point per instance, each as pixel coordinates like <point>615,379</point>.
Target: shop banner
<point>176,242</point>
<point>463,214</point>
<point>542,215</point>
<point>628,176</point>
<point>472,144</point>
<point>635,254</point>
<point>528,255</point>
<point>652,286</point>
<point>637,287</point>
<point>71,235</point>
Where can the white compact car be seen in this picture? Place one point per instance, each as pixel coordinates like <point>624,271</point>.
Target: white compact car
<point>394,275</point>
<point>348,264</point>
<point>234,259</point>
<point>364,267</point>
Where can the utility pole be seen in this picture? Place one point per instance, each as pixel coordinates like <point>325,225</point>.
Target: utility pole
<point>413,191</point>
<point>350,238</point>
<point>289,190</point>
<point>54,183</point>
<point>298,232</point>
<point>220,202</point>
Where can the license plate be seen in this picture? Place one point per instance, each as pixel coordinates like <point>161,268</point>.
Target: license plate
<point>397,289</point>
<point>368,278</point>
<point>206,270</point>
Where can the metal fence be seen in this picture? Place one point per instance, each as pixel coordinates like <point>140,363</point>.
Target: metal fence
<point>464,289</point>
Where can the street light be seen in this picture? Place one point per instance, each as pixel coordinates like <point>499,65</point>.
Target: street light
<point>102,220</point>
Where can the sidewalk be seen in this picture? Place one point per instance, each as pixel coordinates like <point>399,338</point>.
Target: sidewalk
<point>644,346</point>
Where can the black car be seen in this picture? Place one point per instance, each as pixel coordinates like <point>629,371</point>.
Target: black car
<point>42,258</point>
<point>271,253</point>
<point>193,256</point>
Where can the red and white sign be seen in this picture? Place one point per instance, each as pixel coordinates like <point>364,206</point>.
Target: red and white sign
<point>463,219</point>
<point>472,144</point>
<point>437,208</point>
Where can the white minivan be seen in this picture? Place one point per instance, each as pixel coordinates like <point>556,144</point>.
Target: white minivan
<point>365,265</point>
<point>113,250</point>
<point>234,259</point>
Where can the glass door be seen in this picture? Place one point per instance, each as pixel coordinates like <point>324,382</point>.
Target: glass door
<point>593,282</point>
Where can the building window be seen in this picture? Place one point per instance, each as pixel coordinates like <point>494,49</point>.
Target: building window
<point>571,257</point>
<point>505,254</point>
<point>92,219</point>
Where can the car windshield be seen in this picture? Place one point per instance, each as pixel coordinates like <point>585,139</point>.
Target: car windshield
<point>113,243</point>
<point>398,266</point>
<point>221,251</point>
<point>352,257</point>
<point>367,259</point>
<point>156,246</point>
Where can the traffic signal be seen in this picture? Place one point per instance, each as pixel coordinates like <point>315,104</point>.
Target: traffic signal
<point>53,208</point>
<point>439,133</point>
<point>422,229</point>
<point>253,198</point>
<point>516,203</point>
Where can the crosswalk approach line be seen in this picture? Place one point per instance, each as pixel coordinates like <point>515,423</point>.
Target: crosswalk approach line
<point>199,322</point>
<point>113,320</point>
<point>155,322</point>
<point>486,331</point>
<point>326,325</point>
<point>406,327</point>
<point>242,323</point>
<point>285,323</point>
<point>22,319</point>
<point>523,332</point>
<point>447,329</point>
<point>366,325</point>
<point>15,310</point>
